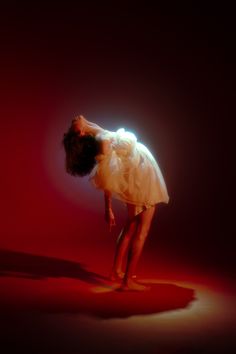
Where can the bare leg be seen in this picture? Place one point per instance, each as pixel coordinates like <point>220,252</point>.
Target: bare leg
<point>136,247</point>
<point>123,242</point>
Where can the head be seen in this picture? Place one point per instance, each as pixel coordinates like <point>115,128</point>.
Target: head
<point>80,152</point>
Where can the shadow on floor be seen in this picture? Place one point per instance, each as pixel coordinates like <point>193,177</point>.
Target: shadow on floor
<point>30,266</point>
<point>96,298</point>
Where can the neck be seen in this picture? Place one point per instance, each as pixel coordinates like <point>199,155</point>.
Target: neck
<point>92,129</point>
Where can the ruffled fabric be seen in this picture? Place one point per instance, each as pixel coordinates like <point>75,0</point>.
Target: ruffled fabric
<point>129,171</point>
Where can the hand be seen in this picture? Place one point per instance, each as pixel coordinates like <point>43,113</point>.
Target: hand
<point>110,218</point>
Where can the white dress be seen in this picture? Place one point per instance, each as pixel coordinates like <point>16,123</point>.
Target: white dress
<point>129,171</point>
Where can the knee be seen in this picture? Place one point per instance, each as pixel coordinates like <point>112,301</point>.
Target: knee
<point>128,231</point>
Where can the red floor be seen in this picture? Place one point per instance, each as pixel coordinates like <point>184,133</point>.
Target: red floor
<point>55,304</point>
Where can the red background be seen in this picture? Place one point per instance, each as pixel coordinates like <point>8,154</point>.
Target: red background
<point>168,78</point>
<point>166,75</point>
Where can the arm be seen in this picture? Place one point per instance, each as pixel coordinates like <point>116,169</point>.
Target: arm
<point>109,216</point>
<point>107,198</point>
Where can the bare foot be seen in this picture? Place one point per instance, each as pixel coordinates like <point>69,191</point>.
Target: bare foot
<point>117,276</point>
<point>131,285</point>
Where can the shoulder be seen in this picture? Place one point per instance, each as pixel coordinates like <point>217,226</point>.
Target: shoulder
<point>125,135</point>
<point>125,141</point>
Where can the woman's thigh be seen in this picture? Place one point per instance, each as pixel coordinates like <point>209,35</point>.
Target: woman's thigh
<point>145,218</point>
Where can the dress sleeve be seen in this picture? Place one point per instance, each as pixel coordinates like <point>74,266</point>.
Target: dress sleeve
<point>101,175</point>
<point>109,172</point>
<point>105,171</point>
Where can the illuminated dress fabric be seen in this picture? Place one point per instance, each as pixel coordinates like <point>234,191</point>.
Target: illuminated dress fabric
<point>129,171</point>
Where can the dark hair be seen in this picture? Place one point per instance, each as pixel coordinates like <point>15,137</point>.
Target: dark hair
<point>80,153</point>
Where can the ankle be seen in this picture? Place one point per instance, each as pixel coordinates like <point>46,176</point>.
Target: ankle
<point>117,272</point>
<point>129,279</point>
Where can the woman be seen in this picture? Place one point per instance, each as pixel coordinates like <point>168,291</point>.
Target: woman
<point>125,169</point>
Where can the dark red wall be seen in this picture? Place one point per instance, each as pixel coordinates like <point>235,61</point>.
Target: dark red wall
<point>168,78</point>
